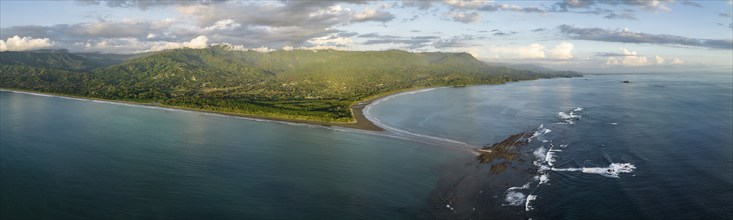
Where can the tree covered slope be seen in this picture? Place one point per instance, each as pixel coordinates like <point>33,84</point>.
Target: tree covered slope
<point>299,84</point>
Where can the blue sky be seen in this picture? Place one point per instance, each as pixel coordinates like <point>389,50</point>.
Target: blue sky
<point>592,35</point>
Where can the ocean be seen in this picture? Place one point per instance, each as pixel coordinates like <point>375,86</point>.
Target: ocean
<point>658,147</point>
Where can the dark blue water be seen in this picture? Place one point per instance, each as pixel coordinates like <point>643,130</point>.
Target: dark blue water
<point>676,130</point>
<point>71,159</point>
<point>62,158</point>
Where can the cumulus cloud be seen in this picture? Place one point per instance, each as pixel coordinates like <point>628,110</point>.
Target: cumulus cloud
<point>532,51</point>
<point>17,43</point>
<point>373,15</point>
<point>226,24</point>
<point>331,41</point>
<point>196,43</point>
<point>677,61</point>
<point>464,17</point>
<point>275,25</point>
<point>239,47</point>
<point>630,58</point>
<point>279,23</point>
<point>659,59</point>
<point>561,51</point>
<point>101,29</point>
<point>626,36</point>
<point>468,4</point>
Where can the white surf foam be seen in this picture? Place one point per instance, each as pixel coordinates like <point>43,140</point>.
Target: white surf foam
<point>514,198</point>
<point>613,170</point>
<point>550,157</point>
<point>544,178</point>
<point>564,115</point>
<point>527,206</point>
<point>540,153</point>
<point>570,117</point>
<point>525,186</point>
<point>539,133</point>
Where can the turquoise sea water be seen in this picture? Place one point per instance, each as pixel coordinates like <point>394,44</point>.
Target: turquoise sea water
<point>65,158</point>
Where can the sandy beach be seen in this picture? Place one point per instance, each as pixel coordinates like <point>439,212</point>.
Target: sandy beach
<point>357,110</point>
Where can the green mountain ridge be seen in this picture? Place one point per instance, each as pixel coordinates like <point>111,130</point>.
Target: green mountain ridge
<point>299,84</point>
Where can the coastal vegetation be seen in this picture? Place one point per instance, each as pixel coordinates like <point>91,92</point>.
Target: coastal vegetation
<point>314,85</point>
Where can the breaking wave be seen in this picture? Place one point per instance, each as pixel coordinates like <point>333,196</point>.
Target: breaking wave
<point>571,116</point>
<point>528,206</point>
<point>514,198</point>
<point>612,170</point>
<point>546,155</point>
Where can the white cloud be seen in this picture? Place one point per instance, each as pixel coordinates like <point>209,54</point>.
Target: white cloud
<point>659,59</point>
<point>632,59</point>
<point>239,47</point>
<point>102,44</point>
<point>233,47</point>
<point>17,43</point>
<point>334,10</point>
<point>465,17</point>
<point>196,43</point>
<point>263,49</point>
<point>677,61</point>
<point>373,15</point>
<point>532,51</point>
<point>655,4</point>
<point>468,4</point>
<point>562,51</point>
<point>331,39</point>
<point>227,24</point>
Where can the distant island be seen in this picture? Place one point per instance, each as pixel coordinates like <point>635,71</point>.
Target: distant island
<point>326,87</point>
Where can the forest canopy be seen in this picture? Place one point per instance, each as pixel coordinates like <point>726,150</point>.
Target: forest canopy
<point>317,85</point>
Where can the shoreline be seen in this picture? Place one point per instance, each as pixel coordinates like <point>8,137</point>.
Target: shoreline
<point>362,122</point>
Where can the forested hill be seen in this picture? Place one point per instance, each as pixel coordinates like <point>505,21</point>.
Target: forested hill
<point>299,84</point>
